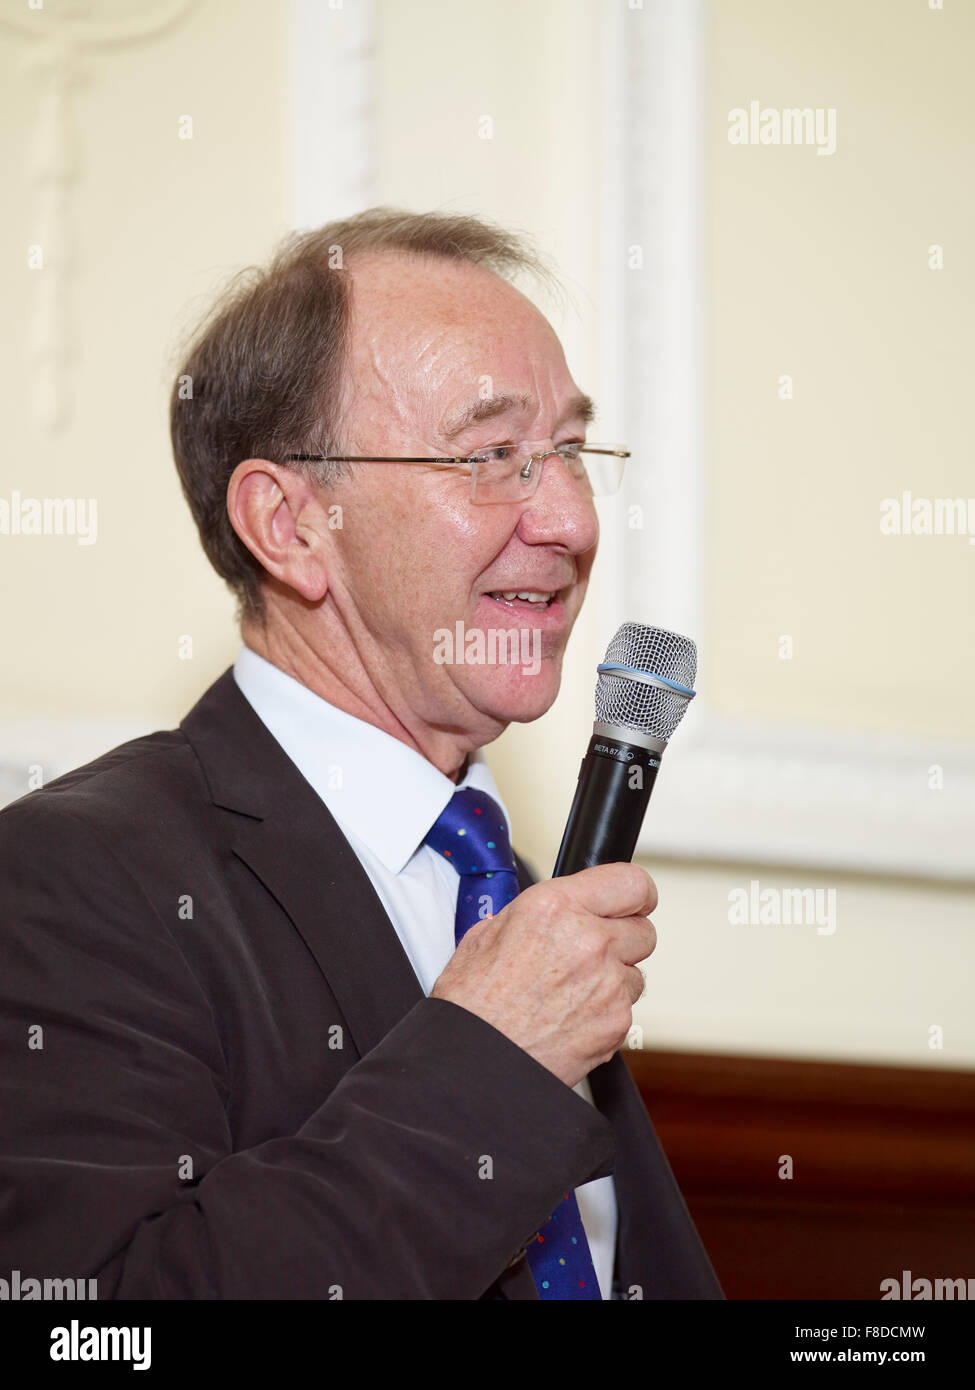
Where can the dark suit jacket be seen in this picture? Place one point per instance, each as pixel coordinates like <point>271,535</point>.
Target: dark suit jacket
<point>239,1089</point>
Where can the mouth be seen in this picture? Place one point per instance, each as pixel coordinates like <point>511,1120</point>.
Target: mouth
<point>525,600</point>
<point>549,610</point>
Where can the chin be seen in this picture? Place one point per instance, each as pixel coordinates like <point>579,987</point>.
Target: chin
<point>517,694</point>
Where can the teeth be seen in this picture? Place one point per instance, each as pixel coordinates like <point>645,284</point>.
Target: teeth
<point>529,595</point>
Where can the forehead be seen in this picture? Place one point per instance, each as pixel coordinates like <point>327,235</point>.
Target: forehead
<point>433,327</point>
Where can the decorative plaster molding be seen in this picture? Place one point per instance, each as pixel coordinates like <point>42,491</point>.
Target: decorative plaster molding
<point>332,142</point>
<point>815,797</point>
<point>63,34</point>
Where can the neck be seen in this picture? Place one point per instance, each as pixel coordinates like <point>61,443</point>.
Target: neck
<point>328,663</point>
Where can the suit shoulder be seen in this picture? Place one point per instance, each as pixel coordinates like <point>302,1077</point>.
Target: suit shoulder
<point>139,780</point>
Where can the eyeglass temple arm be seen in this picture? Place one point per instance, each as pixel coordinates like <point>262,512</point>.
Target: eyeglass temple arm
<point>379,458</point>
<point>359,458</point>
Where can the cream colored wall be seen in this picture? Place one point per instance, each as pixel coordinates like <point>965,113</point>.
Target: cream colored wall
<point>819,269</point>
<point>873,339</point>
<point>151,223</point>
<point>891,984</point>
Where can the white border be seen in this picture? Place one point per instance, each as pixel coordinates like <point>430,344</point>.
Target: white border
<point>729,790</point>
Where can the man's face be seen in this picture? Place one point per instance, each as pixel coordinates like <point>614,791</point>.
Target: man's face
<point>431,339</point>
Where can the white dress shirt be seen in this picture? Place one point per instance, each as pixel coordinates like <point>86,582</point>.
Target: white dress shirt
<point>385,798</point>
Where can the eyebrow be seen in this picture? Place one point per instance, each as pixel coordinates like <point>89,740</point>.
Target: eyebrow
<point>476,412</point>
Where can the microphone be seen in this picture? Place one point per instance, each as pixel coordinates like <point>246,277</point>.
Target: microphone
<point>643,689</point>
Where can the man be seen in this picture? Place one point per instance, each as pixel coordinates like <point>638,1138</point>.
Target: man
<point>268,1035</point>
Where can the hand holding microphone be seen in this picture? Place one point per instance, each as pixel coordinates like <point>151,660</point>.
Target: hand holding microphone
<point>556,970</point>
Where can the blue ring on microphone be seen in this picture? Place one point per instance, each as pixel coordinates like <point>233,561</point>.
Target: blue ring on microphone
<point>613,667</point>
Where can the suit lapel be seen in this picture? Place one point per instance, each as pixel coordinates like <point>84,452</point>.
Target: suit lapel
<point>283,832</point>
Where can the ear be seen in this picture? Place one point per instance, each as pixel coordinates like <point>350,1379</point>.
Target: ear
<point>279,516</point>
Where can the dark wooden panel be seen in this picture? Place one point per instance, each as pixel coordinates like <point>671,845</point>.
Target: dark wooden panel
<point>883,1169</point>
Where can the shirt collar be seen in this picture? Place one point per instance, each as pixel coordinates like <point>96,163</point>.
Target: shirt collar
<point>384,793</point>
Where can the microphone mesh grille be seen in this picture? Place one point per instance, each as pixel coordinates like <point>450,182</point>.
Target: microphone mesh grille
<point>646,708</point>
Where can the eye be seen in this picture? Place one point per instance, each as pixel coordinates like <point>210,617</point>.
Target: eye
<point>498,453</point>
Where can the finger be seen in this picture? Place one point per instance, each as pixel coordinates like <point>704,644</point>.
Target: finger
<point>612,890</point>
<point>635,983</point>
<point>637,939</point>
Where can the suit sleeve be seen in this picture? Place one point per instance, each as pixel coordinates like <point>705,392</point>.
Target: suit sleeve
<point>420,1176</point>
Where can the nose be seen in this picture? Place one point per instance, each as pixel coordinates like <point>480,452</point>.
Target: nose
<point>561,510</point>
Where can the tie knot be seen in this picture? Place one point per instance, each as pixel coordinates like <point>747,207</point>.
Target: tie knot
<point>471,834</point>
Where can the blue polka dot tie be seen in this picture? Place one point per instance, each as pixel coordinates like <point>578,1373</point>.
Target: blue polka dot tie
<point>471,834</point>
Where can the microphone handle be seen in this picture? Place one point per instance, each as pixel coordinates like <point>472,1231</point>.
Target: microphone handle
<point>615,781</point>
